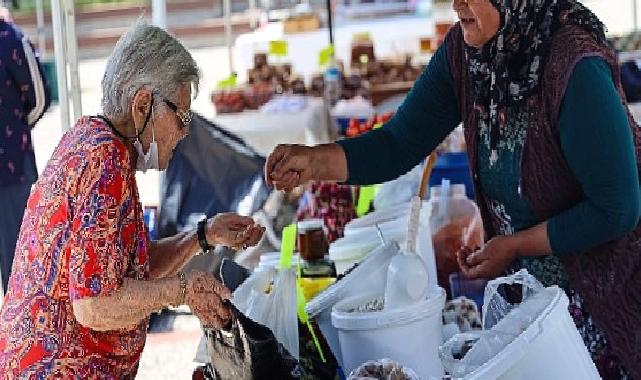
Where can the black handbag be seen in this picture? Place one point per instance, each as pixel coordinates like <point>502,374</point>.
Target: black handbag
<point>248,350</point>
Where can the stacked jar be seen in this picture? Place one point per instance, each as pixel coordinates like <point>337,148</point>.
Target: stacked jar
<point>317,271</point>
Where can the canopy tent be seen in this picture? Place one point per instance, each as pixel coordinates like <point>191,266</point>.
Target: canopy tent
<point>65,49</point>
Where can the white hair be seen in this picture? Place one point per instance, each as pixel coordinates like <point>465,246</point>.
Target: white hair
<point>145,57</point>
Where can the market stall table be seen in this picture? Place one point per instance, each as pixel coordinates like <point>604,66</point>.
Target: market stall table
<point>392,37</point>
<point>263,131</point>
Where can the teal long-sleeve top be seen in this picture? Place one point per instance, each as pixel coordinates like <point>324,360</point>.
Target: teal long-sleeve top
<point>594,133</point>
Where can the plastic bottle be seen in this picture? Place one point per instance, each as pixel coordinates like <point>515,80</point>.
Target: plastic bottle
<point>332,85</point>
<point>456,204</point>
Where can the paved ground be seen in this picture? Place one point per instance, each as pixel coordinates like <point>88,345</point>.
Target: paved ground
<point>169,356</point>
<point>171,347</point>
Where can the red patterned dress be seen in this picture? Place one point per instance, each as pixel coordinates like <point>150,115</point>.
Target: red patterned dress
<point>81,235</point>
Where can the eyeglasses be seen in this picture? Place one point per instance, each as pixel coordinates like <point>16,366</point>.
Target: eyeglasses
<point>183,115</point>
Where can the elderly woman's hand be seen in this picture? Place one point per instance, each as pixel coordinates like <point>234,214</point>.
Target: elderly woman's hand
<point>234,231</point>
<point>205,297</point>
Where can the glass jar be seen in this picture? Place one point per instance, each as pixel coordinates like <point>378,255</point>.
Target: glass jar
<point>312,242</point>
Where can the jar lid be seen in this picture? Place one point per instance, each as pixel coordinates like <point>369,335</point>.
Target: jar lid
<point>310,224</point>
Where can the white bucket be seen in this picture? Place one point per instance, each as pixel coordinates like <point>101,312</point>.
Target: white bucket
<point>551,348</point>
<point>410,336</point>
<point>369,276</point>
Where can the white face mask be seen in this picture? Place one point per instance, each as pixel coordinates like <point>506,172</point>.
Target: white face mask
<point>149,160</point>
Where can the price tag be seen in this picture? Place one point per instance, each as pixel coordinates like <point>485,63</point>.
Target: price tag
<point>325,55</point>
<point>426,45</point>
<point>228,82</point>
<point>362,36</point>
<point>278,48</point>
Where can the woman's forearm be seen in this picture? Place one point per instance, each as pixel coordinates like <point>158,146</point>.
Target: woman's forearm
<point>533,241</point>
<point>169,255</point>
<point>132,303</point>
<point>330,163</point>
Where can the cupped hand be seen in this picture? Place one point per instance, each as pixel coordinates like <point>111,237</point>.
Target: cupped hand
<point>289,166</point>
<point>205,297</point>
<point>234,231</point>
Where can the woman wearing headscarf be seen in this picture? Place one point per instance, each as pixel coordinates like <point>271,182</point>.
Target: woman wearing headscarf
<point>86,277</point>
<point>553,152</point>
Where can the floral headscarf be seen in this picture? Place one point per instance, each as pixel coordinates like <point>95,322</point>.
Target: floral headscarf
<point>508,69</point>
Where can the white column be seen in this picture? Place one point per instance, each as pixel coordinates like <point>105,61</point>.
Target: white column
<point>40,17</point>
<point>634,14</point>
<point>65,52</point>
<point>57,21</point>
<point>159,13</point>
<point>72,56</point>
<point>252,14</point>
<point>228,32</point>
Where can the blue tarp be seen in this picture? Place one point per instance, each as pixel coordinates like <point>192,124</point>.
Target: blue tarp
<point>212,171</point>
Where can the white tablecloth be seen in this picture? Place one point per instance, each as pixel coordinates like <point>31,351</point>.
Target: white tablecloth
<point>263,131</point>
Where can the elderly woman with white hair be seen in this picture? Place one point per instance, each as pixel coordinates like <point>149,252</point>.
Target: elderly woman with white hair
<point>85,275</point>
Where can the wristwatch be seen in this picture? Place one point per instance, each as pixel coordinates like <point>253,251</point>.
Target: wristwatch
<point>202,237</point>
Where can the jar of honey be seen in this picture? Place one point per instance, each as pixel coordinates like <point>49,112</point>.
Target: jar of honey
<point>311,242</point>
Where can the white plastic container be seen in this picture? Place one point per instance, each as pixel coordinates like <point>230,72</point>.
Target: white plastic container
<point>410,336</point>
<point>551,348</point>
<point>349,250</point>
<point>369,276</point>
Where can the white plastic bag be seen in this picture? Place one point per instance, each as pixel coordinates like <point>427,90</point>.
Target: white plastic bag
<point>511,305</point>
<point>269,298</point>
<point>400,190</point>
<point>454,142</point>
<point>505,294</point>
